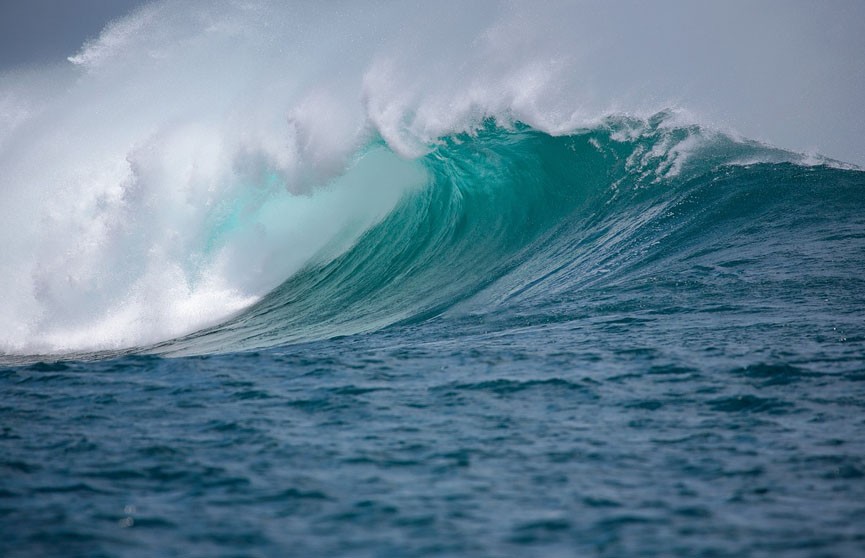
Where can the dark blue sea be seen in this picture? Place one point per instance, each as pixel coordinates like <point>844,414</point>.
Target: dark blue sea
<point>571,345</point>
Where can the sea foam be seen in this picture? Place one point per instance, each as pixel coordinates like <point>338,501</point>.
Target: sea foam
<point>192,157</point>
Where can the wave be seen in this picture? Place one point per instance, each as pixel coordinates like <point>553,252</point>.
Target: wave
<point>488,218</point>
<point>203,180</point>
<point>509,214</point>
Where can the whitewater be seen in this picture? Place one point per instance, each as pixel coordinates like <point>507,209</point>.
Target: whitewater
<point>412,280</point>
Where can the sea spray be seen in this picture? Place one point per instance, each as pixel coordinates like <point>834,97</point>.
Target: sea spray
<point>192,158</point>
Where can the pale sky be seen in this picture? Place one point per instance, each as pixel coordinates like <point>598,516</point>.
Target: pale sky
<point>788,72</point>
<point>39,31</point>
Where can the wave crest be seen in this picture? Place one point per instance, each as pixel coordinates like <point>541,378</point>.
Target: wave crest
<point>193,158</point>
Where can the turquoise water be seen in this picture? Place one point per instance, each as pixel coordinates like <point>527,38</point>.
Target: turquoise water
<point>638,339</point>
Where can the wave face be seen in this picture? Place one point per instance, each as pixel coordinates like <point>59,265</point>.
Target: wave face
<point>512,217</point>
<point>509,219</point>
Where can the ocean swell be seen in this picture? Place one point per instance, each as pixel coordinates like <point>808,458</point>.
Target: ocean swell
<point>262,173</point>
<point>509,214</point>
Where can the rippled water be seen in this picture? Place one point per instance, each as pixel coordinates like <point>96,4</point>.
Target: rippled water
<point>538,440</point>
<point>614,425</point>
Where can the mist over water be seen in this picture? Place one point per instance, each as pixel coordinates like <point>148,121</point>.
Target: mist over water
<point>139,175</point>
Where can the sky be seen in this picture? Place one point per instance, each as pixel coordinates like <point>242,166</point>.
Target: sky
<point>788,72</point>
<point>41,31</point>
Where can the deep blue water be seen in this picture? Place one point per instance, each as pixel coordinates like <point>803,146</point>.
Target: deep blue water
<point>561,346</point>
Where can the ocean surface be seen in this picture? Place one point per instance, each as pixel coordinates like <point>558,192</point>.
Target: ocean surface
<point>437,280</point>
<point>577,345</point>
